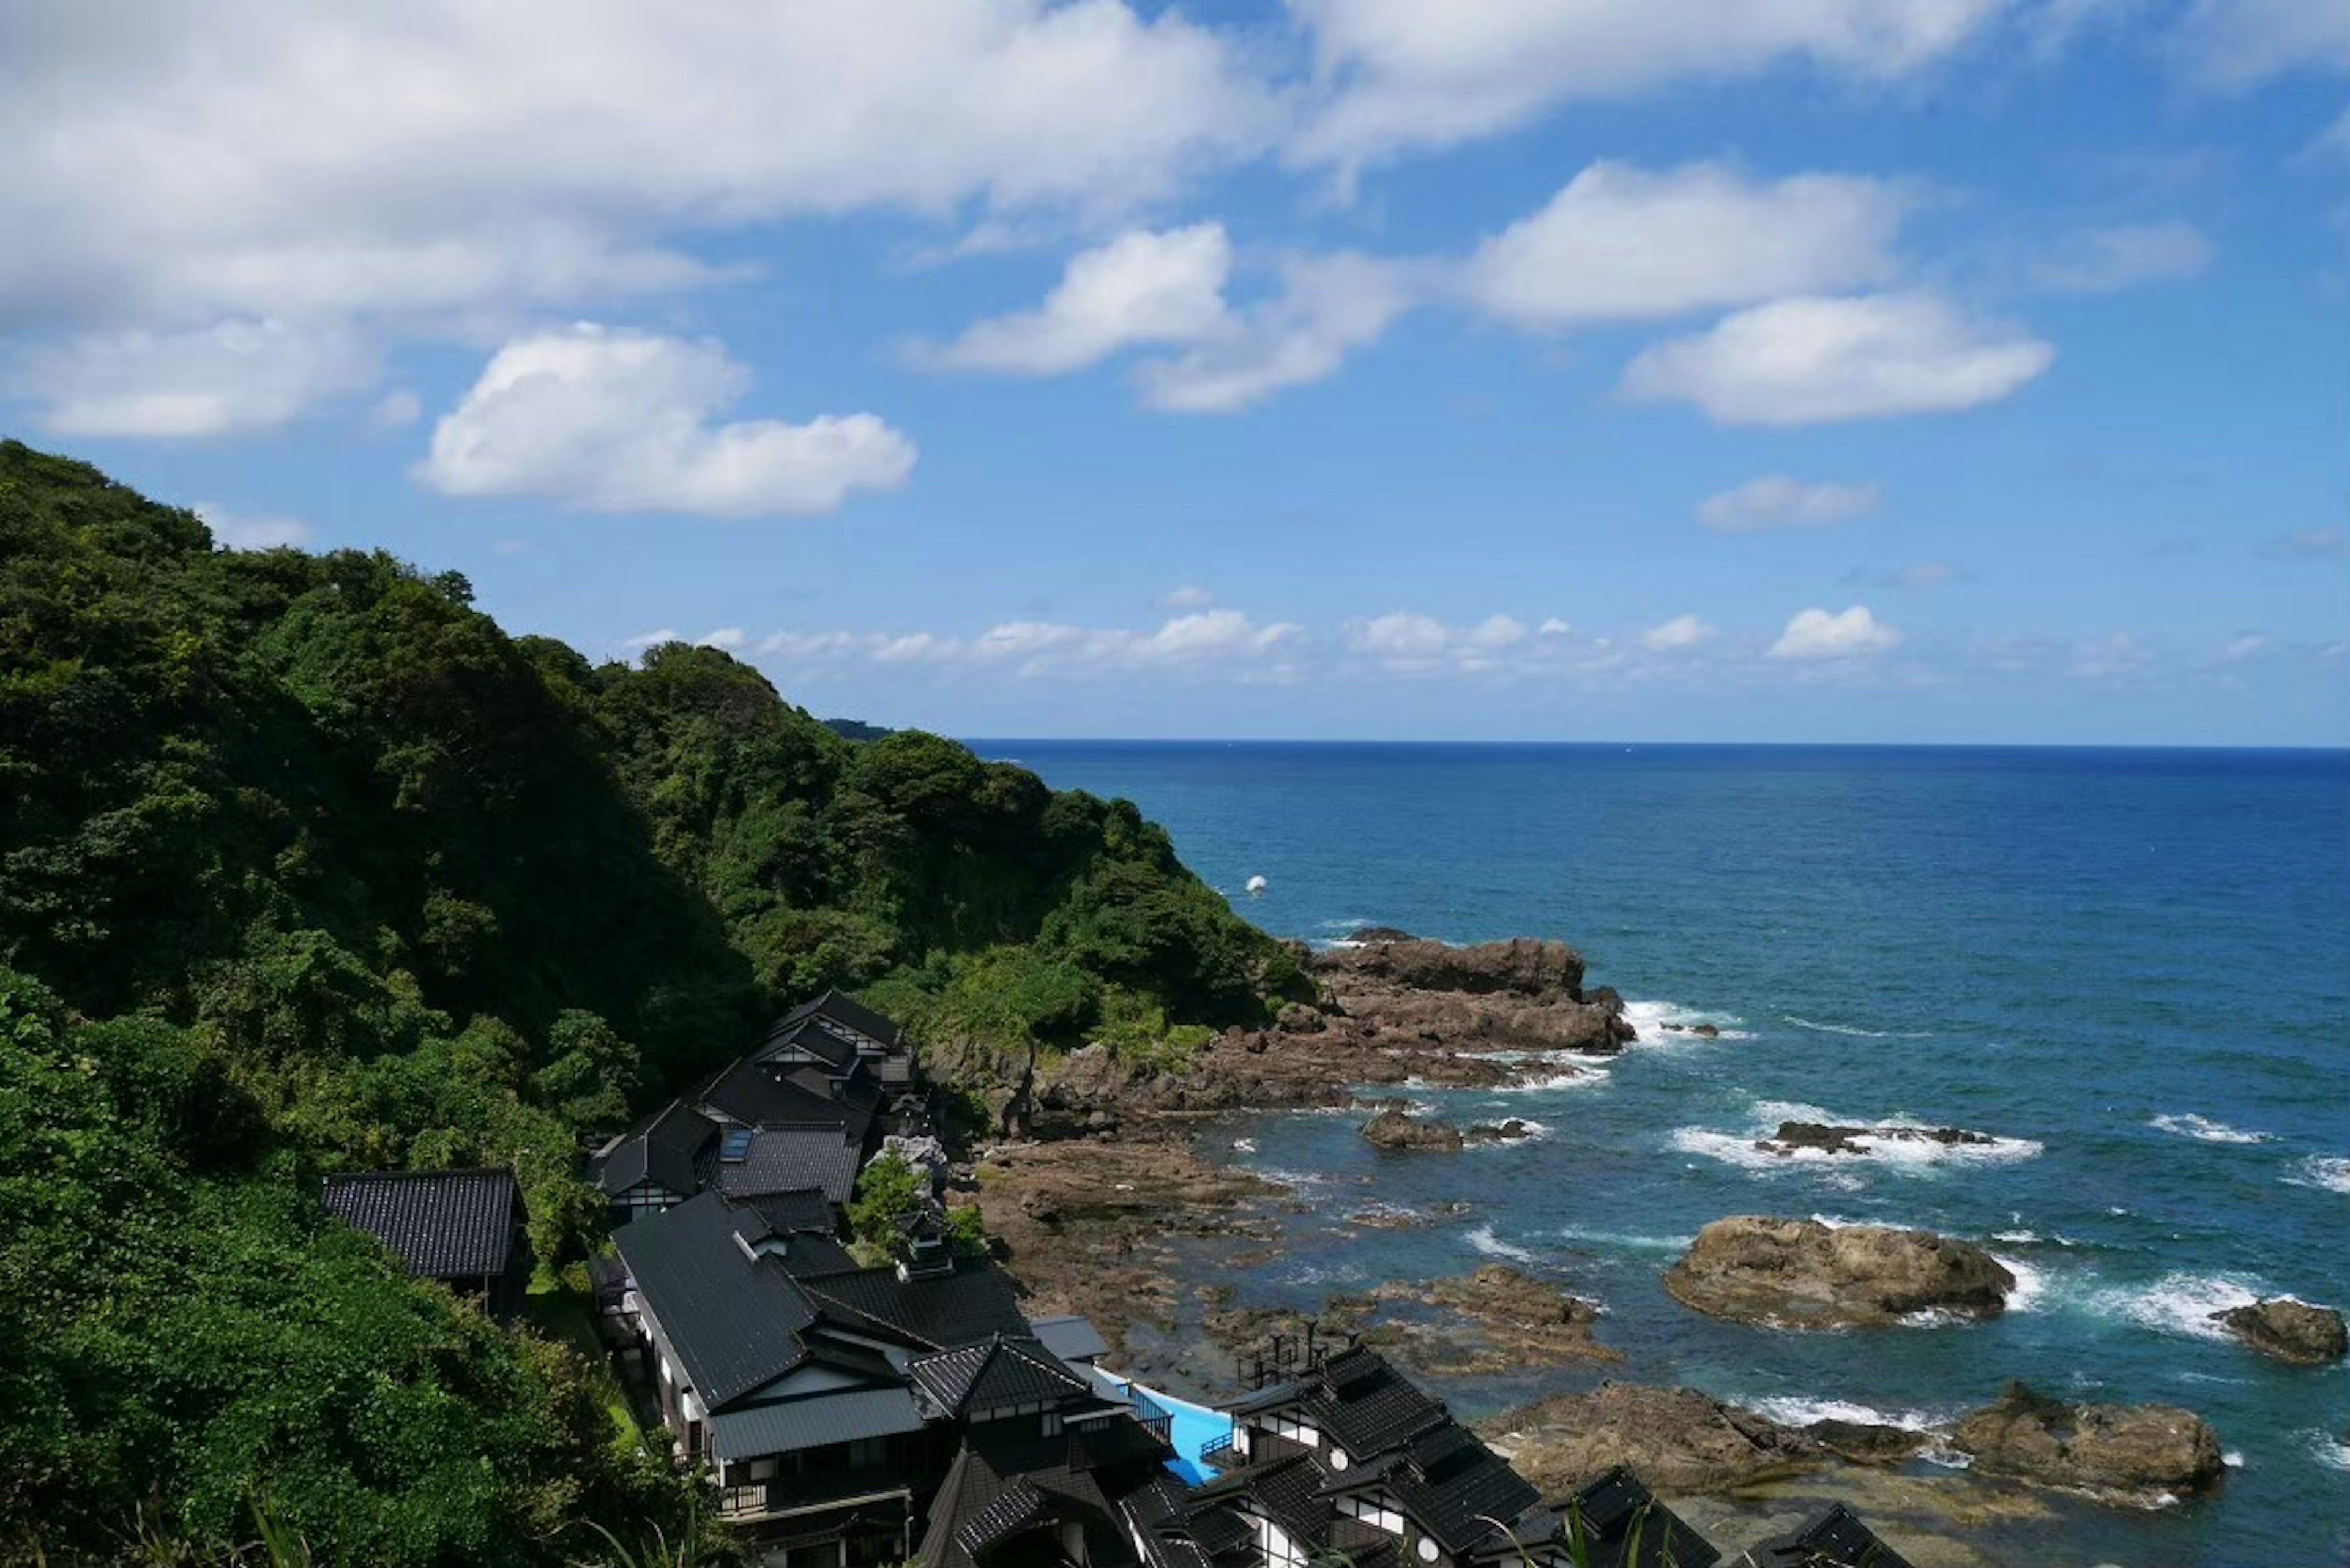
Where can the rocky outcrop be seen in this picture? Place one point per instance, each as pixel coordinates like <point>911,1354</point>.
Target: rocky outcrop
<point>1522,966</point>
<point>1801,1273</point>
<point>2136,1452</point>
<point>1495,1321</point>
<point>1521,995</point>
<point>1826,1137</point>
<point>2299,1331</point>
<point>1395,1127</point>
<point>1676,1439</point>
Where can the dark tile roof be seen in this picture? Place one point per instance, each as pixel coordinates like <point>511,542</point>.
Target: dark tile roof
<point>792,1211</point>
<point>812,1423</point>
<point>997,1371</point>
<point>1070,1337</point>
<point>843,1010</point>
<point>1366,1405</point>
<point>758,1095</point>
<point>1836,1539</point>
<point>1456,1488</point>
<point>1622,1525</point>
<point>734,1321</point>
<point>829,1047</point>
<point>938,1313</point>
<point>671,1146</point>
<point>794,1159</point>
<point>442,1224</point>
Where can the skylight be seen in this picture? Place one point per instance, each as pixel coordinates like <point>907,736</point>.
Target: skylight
<point>735,1147</point>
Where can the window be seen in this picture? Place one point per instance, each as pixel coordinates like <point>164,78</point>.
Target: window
<point>763,1470</point>
<point>735,1147</point>
<point>1052,1423</point>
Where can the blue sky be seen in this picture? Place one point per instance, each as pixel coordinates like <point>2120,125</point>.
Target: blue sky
<point>1663,369</point>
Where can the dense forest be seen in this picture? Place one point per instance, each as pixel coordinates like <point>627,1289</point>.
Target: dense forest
<point>307,865</point>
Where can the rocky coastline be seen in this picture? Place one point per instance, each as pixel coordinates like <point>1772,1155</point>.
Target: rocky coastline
<point>1107,1200</point>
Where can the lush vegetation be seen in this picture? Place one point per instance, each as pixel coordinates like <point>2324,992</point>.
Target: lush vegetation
<point>305,865</point>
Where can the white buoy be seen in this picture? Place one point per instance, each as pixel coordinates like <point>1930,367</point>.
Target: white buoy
<point>1255,885</point>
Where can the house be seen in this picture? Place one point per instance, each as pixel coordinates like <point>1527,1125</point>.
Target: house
<point>804,1108</point>
<point>846,1411</point>
<point>464,1228</point>
<point>1341,1457</point>
<point>1836,1539</point>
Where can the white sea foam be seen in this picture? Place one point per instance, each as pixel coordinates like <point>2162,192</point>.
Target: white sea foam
<point>2031,1283</point>
<point>1649,1018</point>
<point>2233,1459</point>
<point>1626,1242</point>
<point>1881,1145</point>
<point>2330,1450</point>
<point>2179,1303</point>
<point>2319,1170</point>
<point>1244,1146</point>
<point>1492,1246</point>
<point>1794,1410</point>
<point>1578,1078</point>
<point>1295,1180</point>
<point>1837,1028</point>
<point>2205,1130</point>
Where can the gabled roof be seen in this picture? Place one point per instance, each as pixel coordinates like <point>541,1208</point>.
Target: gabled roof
<point>1836,1539</point>
<point>846,1011</point>
<point>1622,1525</point>
<point>441,1224</point>
<point>792,1211</point>
<point>1068,1336</point>
<point>1457,1488</point>
<point>670,1148</point>
<point>938,1313</point>
<point>996,1372</point>
<point>759,1093</point>
<point>829,1047</point>
<point>734,1320</point>
<point>1360,1400</point>
<point>793,1160</point>
<point>812,1423</point>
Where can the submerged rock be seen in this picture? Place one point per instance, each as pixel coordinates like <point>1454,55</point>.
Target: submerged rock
<point>1832,1138</point>
<point>2138,1451</point>
<point>1801,1273</point>
<point>2299,1331</point>
<point>1395,1127</point>
<point>1866,1442</point>
<point>1676,1439</point>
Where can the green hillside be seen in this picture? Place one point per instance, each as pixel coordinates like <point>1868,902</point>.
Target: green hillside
<point>305,865</point>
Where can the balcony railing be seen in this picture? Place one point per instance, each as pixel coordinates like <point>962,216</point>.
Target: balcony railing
<point>1155,1418</point>
<point>1224,1453</point>
<point>810,1490</point>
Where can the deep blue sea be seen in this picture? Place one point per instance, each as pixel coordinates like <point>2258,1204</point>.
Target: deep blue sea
<point>2133,967</point>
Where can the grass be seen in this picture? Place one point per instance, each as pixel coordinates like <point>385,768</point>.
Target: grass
<point>561,1312</point>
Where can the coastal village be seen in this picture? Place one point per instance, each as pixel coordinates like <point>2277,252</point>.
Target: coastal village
<point>853,1404</point>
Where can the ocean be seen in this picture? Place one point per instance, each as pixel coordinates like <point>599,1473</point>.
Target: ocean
<point>2131,966</point>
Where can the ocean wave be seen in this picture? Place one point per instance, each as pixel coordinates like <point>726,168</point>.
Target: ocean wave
<point>2330,1450</point>
<point>2204,1129</point>
<point>1578,1078</point>
<point>2179,1303</point>
<point>1651,1018</point>
<point>1294,1181</point>
<point>1244,1146</point>
<point>1854,1029</point>
<point>1492,1246</point>
<point>1880,1145</point>
<point>2323,1171</point>
<point>1797,1410</point>
<point>2031,1283</point>
<point>1626,1242</point>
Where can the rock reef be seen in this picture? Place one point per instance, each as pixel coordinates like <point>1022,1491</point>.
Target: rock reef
<point>2131,1452</point>
<point>2299,1331</point>
<point>1677,1440</point>
<point>1395,1128</point>
<point>1801,1273</point>
<point>1823,1137</point>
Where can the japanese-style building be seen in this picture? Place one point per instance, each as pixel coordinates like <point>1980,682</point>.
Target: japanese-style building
<point>463,1228</point>
<point>1836,1539</point>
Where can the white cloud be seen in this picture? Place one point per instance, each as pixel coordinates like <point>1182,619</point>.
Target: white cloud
<point>1205,640</point>
<point>1624,243</point>
<point>1815,634</point>
<point>644,640</point>
<point>2105,261</point>
<point>396,409</point>
<point>1327,308</point>
<point>1809,360</point>
<point>1140,287</point>
<point>1398,74</point>
<point>1188,598</point>
<point>1680,633</point>
<point>2232,45</point>
<point>1554,627</point>
<point>252,531</point>
<point>2250,646</point>
<point>225,379</point>
<point>726,637</point>
<point>243,158</point>
<point>606,420</point>
<point>1776,500</point>
<point>1406,641</point>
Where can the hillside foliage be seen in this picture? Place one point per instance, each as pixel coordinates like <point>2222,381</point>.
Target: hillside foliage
<point>304,865</point>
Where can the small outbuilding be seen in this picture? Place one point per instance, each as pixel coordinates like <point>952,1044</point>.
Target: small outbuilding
<point>464,1228</point>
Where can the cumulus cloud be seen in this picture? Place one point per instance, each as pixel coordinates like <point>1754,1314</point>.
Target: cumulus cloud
<point>1190,597</point>
<point>2105,261</point>
<point>1812,360</point>
<point>729,638</point>
<point>1621,243</point>
<point>1677,635</point>
<point>606,420</point>
<point>447,156</point>
<point>251,530</point>
<point>1402,74</point>
<point>1776,501</point>
<point>224,379</point>
<point>1327,308</point>
<point>1816,634</point>
<point>1406,641</point>
<point>1140,287</point>
<point>2229,45</point>
<point>1206,640</point>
